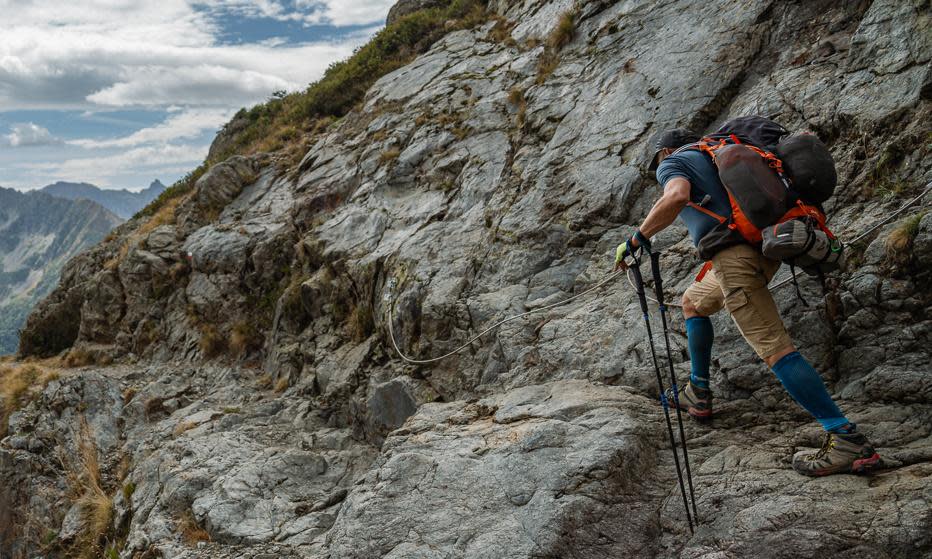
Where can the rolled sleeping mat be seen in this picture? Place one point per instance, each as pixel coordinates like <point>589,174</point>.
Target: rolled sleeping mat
<point>800,243</point>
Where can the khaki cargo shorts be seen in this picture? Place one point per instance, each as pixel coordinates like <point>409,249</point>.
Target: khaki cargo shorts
<point>738,282</point>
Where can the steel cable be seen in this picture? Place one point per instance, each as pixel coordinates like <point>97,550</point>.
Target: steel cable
<point>605,281</point>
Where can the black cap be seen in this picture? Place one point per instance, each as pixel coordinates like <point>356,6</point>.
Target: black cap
<point>673,138</point>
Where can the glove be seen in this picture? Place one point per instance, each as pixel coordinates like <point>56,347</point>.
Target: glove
<point>627,248</point>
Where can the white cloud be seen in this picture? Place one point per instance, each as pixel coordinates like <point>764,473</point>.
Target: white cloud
<point>346,12</point>
<point>311,12</point>
<point>154,55</point>
<point>28,134</point>
<point>101,170</point>
<point>179,126</point>
<point>109,55</point>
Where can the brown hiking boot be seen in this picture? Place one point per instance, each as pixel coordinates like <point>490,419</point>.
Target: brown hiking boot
<point>840,454</point>
<point>697,402</point>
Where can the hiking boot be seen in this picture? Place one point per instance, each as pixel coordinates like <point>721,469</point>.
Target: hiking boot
<point>840,454</point>
<point>697,402</point>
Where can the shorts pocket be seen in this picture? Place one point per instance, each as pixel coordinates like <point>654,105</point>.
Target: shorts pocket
<point>735,300</point>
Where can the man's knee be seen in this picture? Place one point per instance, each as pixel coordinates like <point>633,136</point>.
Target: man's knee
<point>772,359</point>
<point>689,310</point>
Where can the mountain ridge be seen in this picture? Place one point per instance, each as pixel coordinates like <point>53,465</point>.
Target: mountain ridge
<point>124,203</point>
<point>39,233</point>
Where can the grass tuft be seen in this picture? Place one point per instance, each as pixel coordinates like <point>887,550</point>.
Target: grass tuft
<point>183,427</point>
<point>899,243</point>
<point>212,342</point>
<point>19,385</point>
<point>181,187</point>
<point>389,155</point>
<point>191,531</point>
<point>86,487</point>
<point>361,322</point>
<point>564,32</point>
<point>516,98</point>
<point>561,36</point>
<point>79,357</point>
<point>245,338</point>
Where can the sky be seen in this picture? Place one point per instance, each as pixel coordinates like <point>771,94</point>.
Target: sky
<point>119,93</point>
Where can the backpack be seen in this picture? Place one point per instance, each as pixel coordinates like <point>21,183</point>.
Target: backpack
<point>764,196</point>
<point>755,130</point>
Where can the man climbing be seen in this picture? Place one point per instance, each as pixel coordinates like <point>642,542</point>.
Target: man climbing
<point>737,281</point>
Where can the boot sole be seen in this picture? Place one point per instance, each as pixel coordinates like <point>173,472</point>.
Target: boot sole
<point>699,415</point>
<point>865,465</point>
<point>860,466</point>
<point>695,413</point>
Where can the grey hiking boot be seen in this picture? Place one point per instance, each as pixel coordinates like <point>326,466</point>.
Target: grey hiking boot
<point>697,402</point>
<point>840,454</point>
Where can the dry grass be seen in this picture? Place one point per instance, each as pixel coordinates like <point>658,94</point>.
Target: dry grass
<point>87,491</point>
<point>564,32</point>
<point>501,32</point>
<point>164,215</point>
<point>899,243</point>
<point>152,406</point>
<point>561,36</point>
<point>360,323</point>
<point>245,338</point>
<point>19,384</point>
<point>183,427</point>
<point>212,342</point>
<point>79,357</point>
<point>389,155</point>
<point>264,382</point>
<point>516,98</point>
<point>191,531</point>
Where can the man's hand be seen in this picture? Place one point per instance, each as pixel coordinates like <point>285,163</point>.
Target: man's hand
<point>623,251</point>
<point>632,247</point>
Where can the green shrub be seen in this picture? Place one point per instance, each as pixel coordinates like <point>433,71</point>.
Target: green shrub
<point>282,119</point>
<point>180,188</point>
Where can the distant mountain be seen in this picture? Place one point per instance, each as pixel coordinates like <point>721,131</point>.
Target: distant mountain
<point>39,233</point>
<point>123,203</point>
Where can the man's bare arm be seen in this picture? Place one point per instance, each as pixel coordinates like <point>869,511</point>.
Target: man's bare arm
<point>674,199</point>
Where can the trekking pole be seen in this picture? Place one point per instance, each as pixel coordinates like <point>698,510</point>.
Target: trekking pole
<point>658,287</point>
<point>639,287</point>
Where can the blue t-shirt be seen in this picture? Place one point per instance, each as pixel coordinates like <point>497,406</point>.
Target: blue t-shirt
<point>698,169</point>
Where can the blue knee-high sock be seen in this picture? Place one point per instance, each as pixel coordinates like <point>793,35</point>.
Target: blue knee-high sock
<point>805,385</point>
<point>700,335</point>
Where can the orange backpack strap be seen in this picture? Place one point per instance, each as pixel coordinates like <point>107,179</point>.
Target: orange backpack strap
<point>707,212</point>
<point>704,270</point>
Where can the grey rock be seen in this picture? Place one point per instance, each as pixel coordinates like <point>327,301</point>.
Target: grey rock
<point>515,447</point>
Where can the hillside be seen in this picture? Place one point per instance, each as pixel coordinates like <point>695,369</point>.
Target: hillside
<point>123,203</point>
<point>39,234</point>
<point>471,163</point>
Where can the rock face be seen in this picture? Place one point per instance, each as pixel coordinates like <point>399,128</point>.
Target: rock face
<point>473,184</point>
